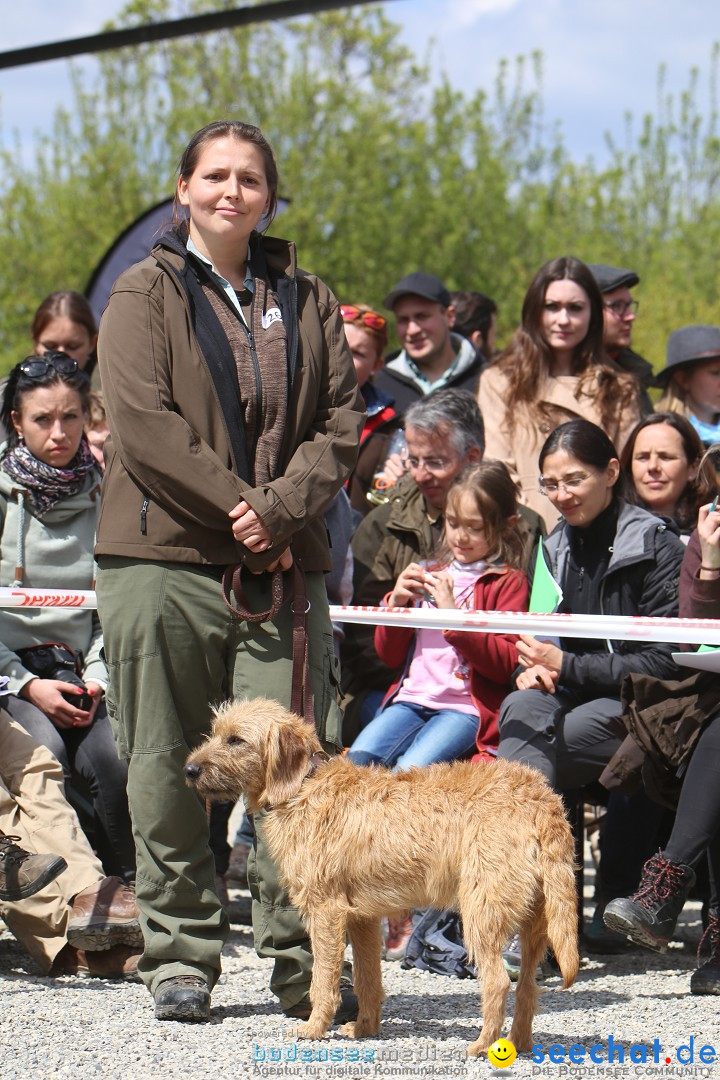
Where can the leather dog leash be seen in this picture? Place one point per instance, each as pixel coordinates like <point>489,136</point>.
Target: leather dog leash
<point>301,697</point>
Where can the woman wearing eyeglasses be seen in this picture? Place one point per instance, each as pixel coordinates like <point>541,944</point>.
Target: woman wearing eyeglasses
<point>609,558</point>
<point>367,336</point>
<point>554,369</point>
<point>49,506</point>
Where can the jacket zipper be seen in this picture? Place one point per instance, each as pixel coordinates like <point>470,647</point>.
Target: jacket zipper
<point>256,369</point>
<point>143,516</point>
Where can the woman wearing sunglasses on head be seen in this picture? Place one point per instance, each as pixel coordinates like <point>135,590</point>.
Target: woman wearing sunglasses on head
<point>367,335</point>
<point>49,506</point>
<point>609,558</point>
<point>554,369</point>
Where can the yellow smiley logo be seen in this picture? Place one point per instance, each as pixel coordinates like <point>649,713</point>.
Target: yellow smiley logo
<point>502,1053</point>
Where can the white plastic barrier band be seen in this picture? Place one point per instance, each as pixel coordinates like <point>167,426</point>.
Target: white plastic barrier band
<point>613,627</point>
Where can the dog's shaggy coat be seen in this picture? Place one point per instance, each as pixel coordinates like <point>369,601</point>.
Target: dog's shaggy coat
<point>356,843</point>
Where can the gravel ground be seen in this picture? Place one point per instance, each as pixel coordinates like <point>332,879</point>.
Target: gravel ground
<point>93,1028</point>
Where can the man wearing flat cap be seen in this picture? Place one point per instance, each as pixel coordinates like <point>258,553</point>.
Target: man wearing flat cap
<point>431,356</point>
<point>619,314</point>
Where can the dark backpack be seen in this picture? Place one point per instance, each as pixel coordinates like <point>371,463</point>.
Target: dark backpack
<point>436,944</point>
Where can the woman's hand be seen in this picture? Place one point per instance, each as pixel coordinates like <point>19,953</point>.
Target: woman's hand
<point>248,528</point>
<point>709,537</point>
<point>47,696</point>
<point>537,677</point>
<point>532,652</point>
<point>440,587</point>
<point>409,586</point>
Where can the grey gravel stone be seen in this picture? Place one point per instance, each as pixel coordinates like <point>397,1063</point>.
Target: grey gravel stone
<point>72,1027</point>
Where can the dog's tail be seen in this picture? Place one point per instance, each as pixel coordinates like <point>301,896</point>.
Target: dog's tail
<point>557,867</point>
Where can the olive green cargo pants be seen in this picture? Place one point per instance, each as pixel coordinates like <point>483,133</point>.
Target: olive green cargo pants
<point>174,649</point>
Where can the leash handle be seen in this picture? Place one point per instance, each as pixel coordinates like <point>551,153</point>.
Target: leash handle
<point>301,696</point>
<point>231,582</point>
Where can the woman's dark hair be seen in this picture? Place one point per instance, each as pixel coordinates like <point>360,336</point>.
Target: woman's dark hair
<point>65,304</point>
<point>235,129</point>
<point>586,442</point>
<point>18,383</point>
<point>473,311</point>
<point>528,359</point>
<point>696,491</point>
<point>495,494</point>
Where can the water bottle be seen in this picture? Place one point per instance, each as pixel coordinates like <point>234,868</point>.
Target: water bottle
<point>380,485</point>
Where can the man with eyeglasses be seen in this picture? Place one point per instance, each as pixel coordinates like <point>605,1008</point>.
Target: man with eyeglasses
<point>620,312</point>
<point>444,433</point>
<point>432,356</point>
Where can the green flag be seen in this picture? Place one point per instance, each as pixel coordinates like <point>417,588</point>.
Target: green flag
<point>546,593</point>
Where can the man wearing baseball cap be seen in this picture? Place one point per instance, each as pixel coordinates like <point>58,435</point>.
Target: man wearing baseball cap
<point>619,314</point>
<point>431,355</point>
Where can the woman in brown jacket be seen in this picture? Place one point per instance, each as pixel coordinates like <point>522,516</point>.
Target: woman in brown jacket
<point>234,418</point>
<point>554,370</point>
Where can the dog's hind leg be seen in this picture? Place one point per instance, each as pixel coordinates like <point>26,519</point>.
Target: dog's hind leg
<point>366,940</point>
<point>533,943</point>
<point>485,934</point>
<point>326,927</point>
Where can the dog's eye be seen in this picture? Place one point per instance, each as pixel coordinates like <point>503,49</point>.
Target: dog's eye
<point>234,740</point>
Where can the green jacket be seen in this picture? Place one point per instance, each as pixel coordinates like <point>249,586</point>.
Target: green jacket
<point>55,553</point>
<point>170,477</point>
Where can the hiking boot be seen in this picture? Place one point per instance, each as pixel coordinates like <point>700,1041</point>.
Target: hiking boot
<point>186,997</point>
<point>706,979</point>
<point>398,935</point>
<point>347,1009</point>
<point>120,962</point>
<point>22,874</point>
<point>600,939</point>
<point>104,915</point>
<point>650,915</point>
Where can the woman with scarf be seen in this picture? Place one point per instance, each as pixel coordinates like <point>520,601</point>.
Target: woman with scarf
<point>49,505</point>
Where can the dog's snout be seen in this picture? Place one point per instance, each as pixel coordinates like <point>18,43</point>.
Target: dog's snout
<point>192,771</point>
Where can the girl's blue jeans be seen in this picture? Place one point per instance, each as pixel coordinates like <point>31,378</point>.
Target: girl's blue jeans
<point>406,734</point>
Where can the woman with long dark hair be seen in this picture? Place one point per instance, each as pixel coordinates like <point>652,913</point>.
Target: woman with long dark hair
<point>554,369</point>
<point>611,558</point>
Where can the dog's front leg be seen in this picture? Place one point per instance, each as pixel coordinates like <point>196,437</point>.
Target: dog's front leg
<point>327,939</point>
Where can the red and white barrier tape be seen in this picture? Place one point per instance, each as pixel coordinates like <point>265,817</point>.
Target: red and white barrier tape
<point>615,627</point>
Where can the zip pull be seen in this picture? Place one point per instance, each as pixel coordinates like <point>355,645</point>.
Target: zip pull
<point>143,516</point>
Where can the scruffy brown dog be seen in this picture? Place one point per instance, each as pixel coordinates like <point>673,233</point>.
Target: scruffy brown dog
<point>355,843</point>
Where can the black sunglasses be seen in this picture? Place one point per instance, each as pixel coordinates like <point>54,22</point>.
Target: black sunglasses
<point>37,367</point>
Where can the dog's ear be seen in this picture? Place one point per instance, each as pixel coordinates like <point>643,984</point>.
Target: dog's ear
<point>288,758</point>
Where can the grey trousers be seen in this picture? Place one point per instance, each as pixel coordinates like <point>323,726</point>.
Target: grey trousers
<point>568,740</point>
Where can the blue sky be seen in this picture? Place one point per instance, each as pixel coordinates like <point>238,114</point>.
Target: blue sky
<point>600,58</point>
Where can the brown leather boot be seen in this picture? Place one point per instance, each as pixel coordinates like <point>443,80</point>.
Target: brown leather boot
<point>105,915</point>
<point>119,962</point>
<point>22,874</point>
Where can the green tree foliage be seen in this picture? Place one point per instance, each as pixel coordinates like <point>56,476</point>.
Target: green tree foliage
<point>385,171</point>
